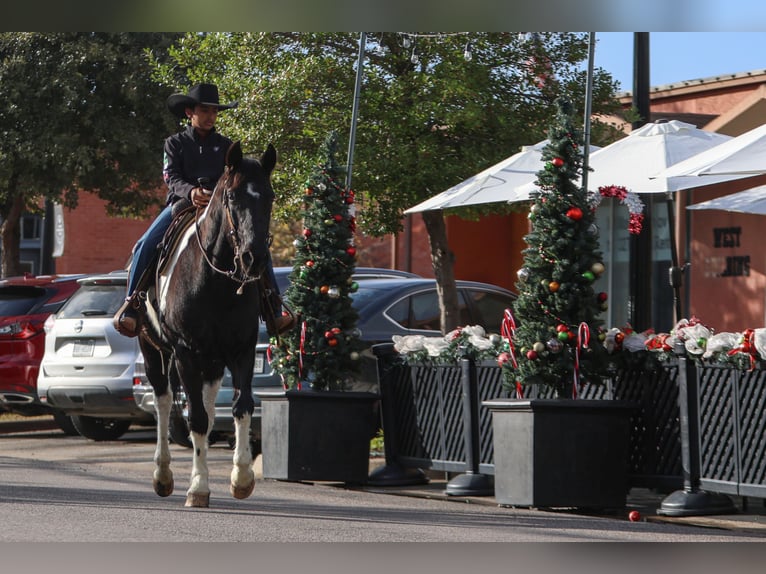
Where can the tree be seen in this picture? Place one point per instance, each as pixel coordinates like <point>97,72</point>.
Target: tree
<point>82,113</point>
<point>324,349</point>
<point>428,118</point>
<point>557,308</point>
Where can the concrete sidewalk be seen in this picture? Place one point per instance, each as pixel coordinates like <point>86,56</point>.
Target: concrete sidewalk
<point>750,515</point>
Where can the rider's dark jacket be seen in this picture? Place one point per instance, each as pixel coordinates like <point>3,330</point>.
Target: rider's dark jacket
<point>188,157</point>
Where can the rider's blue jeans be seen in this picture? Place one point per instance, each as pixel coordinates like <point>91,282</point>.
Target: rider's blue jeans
<point>146,247</point>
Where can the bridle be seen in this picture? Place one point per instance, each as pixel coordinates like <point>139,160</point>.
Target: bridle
<point>235,274</point>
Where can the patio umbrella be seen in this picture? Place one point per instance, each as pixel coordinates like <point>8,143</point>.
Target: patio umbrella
<point>737,158</point>
<point>493,185</point>
<point>636,161</point>
<point>749,201</point>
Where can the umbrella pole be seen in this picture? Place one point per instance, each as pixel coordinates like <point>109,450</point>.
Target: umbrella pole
<point>675,271</point>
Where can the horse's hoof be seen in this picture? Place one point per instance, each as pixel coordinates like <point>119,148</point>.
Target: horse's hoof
<point>198,500</point>
<point>241,492</point>
<point>163,489</point>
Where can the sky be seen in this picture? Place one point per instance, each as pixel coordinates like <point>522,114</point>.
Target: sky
<point>678,56</point>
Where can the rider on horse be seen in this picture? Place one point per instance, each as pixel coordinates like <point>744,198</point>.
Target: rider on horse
<point>193,161</point>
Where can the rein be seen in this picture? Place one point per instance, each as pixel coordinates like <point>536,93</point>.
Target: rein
<point>236,243</point>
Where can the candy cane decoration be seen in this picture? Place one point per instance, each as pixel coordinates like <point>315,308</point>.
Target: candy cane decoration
<point>301,352</point>
<point>507,331</point>
<point>583,340</point>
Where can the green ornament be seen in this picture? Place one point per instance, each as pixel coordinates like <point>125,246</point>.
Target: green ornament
<point>563,335</point>
<point>589,275</point>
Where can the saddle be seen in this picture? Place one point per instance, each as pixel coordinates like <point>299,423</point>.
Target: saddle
<point>184,214</point>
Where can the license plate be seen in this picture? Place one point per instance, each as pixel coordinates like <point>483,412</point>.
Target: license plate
<point>260,363</point>
<point>83,348</point>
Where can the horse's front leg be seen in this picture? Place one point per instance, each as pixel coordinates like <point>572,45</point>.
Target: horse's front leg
<point>162,480</point>
<point>242,475</point>
<point>201,421</point>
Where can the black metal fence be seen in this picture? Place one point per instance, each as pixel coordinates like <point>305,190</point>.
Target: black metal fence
<point>425,405</point>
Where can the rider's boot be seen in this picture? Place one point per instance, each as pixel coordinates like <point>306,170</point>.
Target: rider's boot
<point>126,320</point>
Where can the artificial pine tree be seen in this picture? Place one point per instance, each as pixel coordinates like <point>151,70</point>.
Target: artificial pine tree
<point>557,309</point>
<point>322,351</point>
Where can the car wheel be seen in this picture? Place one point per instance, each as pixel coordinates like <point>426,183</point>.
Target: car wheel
<point>65,423</point>
<point>178,430</point>
<point>100,429</point>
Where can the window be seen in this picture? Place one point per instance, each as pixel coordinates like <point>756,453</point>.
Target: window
<point>489,309</point>
<point>421,311</point>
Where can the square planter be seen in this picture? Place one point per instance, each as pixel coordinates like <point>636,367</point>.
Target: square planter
<point>317,435</point>
<point>561,452</point>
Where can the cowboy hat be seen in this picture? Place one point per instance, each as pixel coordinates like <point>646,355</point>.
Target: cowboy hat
<point>201,94</point>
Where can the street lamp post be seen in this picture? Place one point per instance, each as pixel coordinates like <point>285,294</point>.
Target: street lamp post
<point>355,108</point>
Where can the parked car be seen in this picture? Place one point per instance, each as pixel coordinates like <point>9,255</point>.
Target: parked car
<point>402,305</point>
<point>87,369</point>
<point>263,376</point>
<point>25,303</point>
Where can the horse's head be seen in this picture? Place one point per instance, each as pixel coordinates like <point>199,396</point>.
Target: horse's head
<point>245,198</point>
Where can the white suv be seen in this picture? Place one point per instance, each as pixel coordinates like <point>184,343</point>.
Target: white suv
<point>87,368</point>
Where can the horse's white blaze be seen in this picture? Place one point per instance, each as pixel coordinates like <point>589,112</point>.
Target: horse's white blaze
<point>199,476</point>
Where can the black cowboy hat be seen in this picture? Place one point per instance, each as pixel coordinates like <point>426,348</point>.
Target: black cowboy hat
<point>201,94</point>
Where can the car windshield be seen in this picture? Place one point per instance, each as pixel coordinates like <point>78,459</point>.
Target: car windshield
<point>94,301</point>
<point>19,300</point>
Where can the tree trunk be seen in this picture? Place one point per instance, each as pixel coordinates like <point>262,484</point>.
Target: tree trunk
<point>10,232</point>
<point>443,261</point>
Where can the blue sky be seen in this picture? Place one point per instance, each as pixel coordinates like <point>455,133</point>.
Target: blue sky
<point>678,56</point>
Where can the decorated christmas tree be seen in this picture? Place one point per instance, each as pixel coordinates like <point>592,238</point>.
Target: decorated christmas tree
<point>554,330</point>
<point>322,352</point>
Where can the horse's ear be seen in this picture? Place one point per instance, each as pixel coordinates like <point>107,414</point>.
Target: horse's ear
<point>269,159</point>
<point>234,155</point>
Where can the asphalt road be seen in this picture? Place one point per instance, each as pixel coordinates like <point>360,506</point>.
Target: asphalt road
<point>55,488</point>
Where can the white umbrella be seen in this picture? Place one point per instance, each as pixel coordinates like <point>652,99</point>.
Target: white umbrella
<point>635,161</point>
<point>748,201</point>
<point>737,158</point>
<point>493,185</point>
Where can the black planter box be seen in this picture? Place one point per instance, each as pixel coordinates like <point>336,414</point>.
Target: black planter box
<point>561,452</point>
<point>317,435</point>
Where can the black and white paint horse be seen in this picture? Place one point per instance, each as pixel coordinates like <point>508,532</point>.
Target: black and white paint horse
<point>206,318</point>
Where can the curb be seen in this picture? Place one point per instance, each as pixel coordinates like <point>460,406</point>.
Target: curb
<point>25,426</point>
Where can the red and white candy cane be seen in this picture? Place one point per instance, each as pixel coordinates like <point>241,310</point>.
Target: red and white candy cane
<point>507,331</point>
<point>583,340</point>
<point>301,352</point>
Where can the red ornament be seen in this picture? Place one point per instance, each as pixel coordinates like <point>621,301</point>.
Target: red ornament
<point>351,251</point>
<point>503,358</point>
<point>336,331</point>
<point>553,286</point>
<point>328,335</point>
<point>309,263</point>
<point>307,232</point>
<point>574,213</point>
<point>557,161</point>
<point>619,337</point>
<point>531,355</point>
<point>338,218</point>
<point>602,297</point>
<point>332,342</point>
<point>634,516</point>
<point>561,327</point>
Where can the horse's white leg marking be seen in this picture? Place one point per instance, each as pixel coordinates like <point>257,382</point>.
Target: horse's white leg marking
<point>163,477</point>
<point>242,475</point>
<point>199,488</point>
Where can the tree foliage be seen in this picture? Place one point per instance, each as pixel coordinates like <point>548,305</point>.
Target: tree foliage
<point>423,126</point>
<point>82,113</point>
